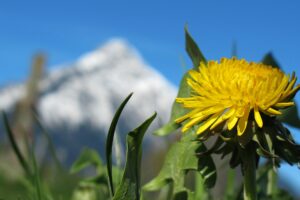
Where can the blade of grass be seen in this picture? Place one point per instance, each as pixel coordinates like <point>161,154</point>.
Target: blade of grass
<point>36,176</point>
<point>15,147</point>
<point>130,187</point>
<point>109,142</point>
<point>49,140</point>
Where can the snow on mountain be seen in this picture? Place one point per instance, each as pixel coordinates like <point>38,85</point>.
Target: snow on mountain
<point>77,101</point>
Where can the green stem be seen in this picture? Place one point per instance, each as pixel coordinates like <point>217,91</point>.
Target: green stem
<point>249,169</point>
<point>272,182</point>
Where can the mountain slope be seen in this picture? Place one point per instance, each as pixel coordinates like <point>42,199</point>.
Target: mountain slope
<point>78,101</point>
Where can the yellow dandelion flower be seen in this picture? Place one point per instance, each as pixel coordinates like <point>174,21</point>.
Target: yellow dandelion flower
<point>231,90</point>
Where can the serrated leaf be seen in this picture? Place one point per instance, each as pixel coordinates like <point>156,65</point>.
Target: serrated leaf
<point>129,189</point>
<point>181,158</point>
<point>87,157</point>
<point>109,142</point>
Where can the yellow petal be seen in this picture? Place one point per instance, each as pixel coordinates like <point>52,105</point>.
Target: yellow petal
<point>219,121</point>
<point>240,112</point>
<point>208,123</point>
<point>194,74</point>
<point>188,115</point>
<point>284,104</point>
<point>290,85</point>
<point>292,92</point>
<point>222,118</point>
<point>273,111</point>
<point>257,117</point>
<point>231,122</point>
<point>243,121</point>
<point>192,122</point>
<point>181,119</point>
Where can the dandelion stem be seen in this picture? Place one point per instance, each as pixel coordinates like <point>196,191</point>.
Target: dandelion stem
<point>249,169</point>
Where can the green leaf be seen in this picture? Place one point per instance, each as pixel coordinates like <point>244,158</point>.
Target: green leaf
<point>177,109</point>
<point>167,129</point>
<point>290,116</point>
<point>129,189</point>
<point>193,49</point>
<point>269,59</point>
<point>200,189</point>
<point>88,157</point>
<point>109,142</point>
<point>184,90</point>
<point>179,160</point>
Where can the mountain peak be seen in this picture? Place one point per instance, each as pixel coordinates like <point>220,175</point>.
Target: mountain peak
<point>77,102</point>
<point>114,49</point>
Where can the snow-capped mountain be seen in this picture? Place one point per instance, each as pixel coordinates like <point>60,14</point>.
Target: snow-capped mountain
<point>77,102</point>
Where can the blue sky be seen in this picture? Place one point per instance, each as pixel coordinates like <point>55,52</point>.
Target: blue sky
<point>66,29</point>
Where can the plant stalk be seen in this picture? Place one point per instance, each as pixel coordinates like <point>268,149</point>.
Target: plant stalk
<point>272,182</point>
<point>249,169</point>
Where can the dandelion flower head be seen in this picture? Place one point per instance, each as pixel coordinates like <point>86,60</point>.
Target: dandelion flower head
<point>229,91</point>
